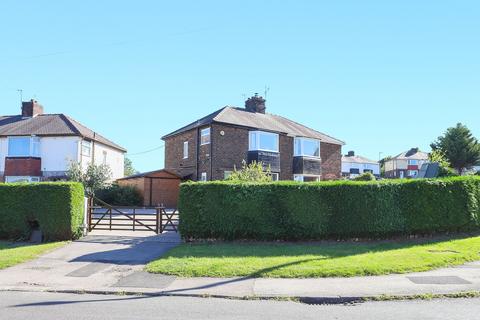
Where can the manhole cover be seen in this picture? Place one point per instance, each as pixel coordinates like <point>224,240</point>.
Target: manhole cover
<point>438,280</point>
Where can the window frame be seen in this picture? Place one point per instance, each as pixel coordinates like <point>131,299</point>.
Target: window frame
<point>227,174</point>
<point>276,175</point>
<point>185,149</point>
<point>203,134</point>
<point>203,177</point>
<point>301,153</point>
<point>86,144</point>
<point>413,162</point>
<point>295,176</point>
<point>26,179</point>
<point>33,146</point>
<point>257,134</point>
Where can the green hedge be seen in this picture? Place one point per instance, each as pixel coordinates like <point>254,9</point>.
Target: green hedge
<point>56,207</point>
<point>339,209</point>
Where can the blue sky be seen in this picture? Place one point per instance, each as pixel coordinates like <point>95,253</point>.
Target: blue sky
<point>381,76</point>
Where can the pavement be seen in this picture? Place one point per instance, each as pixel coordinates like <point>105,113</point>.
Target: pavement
<point>47,306</point>
<point>106,263</point>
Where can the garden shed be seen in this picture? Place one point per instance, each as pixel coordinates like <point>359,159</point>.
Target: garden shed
<point>158,188</point>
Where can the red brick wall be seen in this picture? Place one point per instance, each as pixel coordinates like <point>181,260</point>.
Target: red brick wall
<point>174,154</point>
<point>286,157</point>
<point>331,155</point>
<point>23,167</point>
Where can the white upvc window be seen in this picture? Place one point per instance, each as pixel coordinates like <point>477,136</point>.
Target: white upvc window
<point>24,146</point>
<point>86,148</point>
<point>305,178</point>
<point>412,173</point>
<point>263,141</point>
<point>227,174</point>
<point>274,176</point>
<point>204,136</point>
<point>17,179</point>
<point>306,147</point>
<point>203,176</point>
<point>185,150</point>
<point>413,162</point>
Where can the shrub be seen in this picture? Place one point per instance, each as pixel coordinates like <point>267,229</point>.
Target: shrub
<point>330,209</point>
<point>253,172</point>
<point>57,207</point>
<point>367,176</point>
<point>117,195</point>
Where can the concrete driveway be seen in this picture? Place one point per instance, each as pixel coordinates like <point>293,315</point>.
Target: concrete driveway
<point>95,261</point>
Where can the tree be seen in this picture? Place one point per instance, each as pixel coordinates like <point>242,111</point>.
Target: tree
<point>128,169</point>
<point>253,172</point>
<point>445,168</point>
<point>93,178</point>
<point>382,164</point>
<point>459,146</point>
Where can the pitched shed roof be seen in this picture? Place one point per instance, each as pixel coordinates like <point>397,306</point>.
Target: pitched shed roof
<point>255,120</point>
<point>357,159</point>
<point>151,174</point>
<point>50,125</point>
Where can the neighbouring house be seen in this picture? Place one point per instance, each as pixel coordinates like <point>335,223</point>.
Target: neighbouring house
<point>405,165</point>
<point>354,165</point>
<point>212,147</point>
<point>35,146</point>
<point>158,188</point>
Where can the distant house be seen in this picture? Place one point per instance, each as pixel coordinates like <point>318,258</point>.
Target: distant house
<point>39,147</point>
<point>406,165</point>
<point>211,147</point>
<point>354,165</point>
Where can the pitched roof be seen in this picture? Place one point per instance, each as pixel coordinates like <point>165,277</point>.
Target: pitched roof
<point>412,154</point>
<point>357,159</point>
<point>150,173</point>
<point>267,121</point>
<point>50,125</point>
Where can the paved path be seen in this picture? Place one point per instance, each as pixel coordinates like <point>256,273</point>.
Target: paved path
<point>47,306</point>
<point>93,262</point>
<point>113,264</point>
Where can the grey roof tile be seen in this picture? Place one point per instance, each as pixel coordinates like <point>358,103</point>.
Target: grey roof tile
<point>269,122</point>
<point>50,125</point>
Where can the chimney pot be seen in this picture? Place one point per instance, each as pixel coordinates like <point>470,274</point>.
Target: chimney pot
<point>351,153</point>
<point>31,108</point>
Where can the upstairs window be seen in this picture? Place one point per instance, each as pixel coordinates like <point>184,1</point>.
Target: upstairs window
<point>413,162</point>
<point>86,148</point>
<point>205,136</point>
<point>305,147</point>
<point>23,146</point>
<point>185,150</point>
<point>263,141</point>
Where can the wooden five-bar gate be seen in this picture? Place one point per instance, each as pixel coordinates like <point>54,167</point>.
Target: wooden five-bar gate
<point>102,216</point>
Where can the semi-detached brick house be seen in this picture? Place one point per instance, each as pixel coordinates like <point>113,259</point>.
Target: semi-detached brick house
<point>211,147</point>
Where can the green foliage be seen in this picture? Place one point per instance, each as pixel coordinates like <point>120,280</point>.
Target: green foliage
<point>336,209</point>
<point>117,195</point>
<point>253,172</point>
<point>367,176</point>
<point>128,169</point>
<point>459,147</point>
<point>56,206</point>
<point>445,168</point>
<point>95,177</point>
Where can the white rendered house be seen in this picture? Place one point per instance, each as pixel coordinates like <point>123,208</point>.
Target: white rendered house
<point>354,165</point>
<point>39,147</point>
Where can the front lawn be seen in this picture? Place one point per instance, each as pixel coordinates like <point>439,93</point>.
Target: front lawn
<point>12,253</point>
<point>333,259</point>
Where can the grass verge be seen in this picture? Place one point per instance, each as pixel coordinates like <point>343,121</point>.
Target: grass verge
<point>12,253</point>
<point>314,260</point>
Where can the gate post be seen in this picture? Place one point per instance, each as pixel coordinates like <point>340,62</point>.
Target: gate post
<point>90,212</point>
<point>159,220</point>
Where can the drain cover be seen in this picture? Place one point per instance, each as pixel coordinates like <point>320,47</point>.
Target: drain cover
<point>438,280</point>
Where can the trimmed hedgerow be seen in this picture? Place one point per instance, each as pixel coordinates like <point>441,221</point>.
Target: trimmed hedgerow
<point>56,207</point>
<point>338,209</point>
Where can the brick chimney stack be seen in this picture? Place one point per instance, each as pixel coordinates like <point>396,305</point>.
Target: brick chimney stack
<point>31,108</point>
<point>255,104</point>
